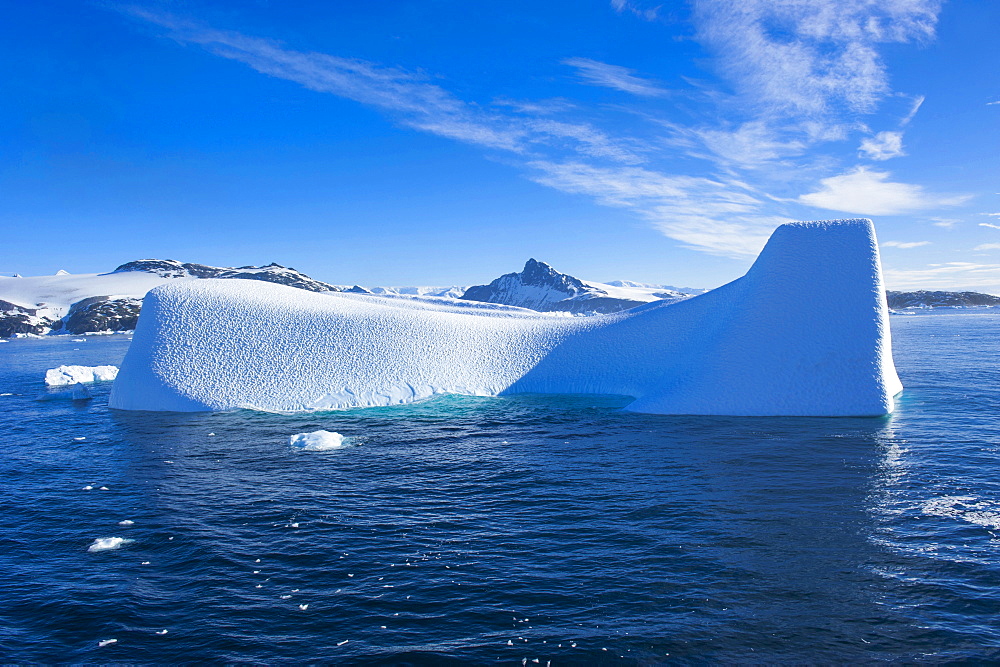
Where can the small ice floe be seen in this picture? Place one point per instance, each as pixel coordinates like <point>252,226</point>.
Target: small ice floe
<point>295,590</point>
<point>343,642</point>
<point>106,642</point>
<point>303,607</point>
<point>7,393</point>
<point>293,525</point>
<point>211,434</point>
<point>126,522</point>
<point>318,441</point>
<point>161,632</point>
<point>87,488</point>
<point>259,586</point>
<point>108,543</point>
<point>285,597</point>
<point>67,375</point>
<point>80,438</point>
<point>145,562</point>
<point>78,340</point>
<point>104,488</point>
<point>257,561</point>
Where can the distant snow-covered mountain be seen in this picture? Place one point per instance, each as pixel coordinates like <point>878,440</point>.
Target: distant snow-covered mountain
<point>540,287</point>
<point>111,301</point>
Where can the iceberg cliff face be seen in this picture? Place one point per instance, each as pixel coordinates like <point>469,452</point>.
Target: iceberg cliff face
<point>804,332</point>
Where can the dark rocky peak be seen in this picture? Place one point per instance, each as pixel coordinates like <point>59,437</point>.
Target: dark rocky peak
<point>538,287</point>
<point>540,274</point>
<point>273,273</point>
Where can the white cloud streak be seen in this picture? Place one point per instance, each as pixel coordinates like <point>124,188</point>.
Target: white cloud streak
<point>904,244</point>
<point>962,275</point>
<point>620,78</point>
<point>810,57</point>
<point>824,61</point>
<point>648,14</point>
<point>989,224</point>
<point>882,146</point>
<point>872,193</point>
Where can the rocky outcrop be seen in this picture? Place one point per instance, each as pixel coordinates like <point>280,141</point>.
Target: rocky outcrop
<point>272,273</point>
<point>540,287</point>
<point>16,319</point>
<point>929,299</point>
<point>103,313</point>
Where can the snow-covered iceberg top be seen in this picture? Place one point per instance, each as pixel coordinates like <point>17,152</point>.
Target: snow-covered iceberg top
<point>804,332</point>
<point>64,375</point>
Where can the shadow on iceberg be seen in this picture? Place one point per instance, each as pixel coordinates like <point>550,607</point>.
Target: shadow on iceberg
<point>805,332</point>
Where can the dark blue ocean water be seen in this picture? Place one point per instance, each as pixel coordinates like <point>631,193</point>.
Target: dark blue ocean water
<point>476,530</point>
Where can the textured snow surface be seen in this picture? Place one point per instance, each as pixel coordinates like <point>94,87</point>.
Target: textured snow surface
<point>63,375</point>
<point>804,332</point>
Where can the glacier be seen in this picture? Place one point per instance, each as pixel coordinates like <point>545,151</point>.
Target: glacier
<point>804,333</point>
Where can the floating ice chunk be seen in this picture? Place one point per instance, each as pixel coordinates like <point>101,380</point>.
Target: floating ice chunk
<point>65,375</point>
<point>805,332</point>
<point>78,340</point>
<point>343,642</point>
<point>87,488</point>
<point>285,597</point>
<point>106,642</point>
<point>80,438</point>
<point>126,522</point>
<point>104,488</point>
<point>303,607</point>
<point>108,543</point>
<point>318,441</point>
<point>161,632</point>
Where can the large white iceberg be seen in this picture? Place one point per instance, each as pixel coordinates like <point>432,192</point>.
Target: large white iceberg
<point>804,332</point>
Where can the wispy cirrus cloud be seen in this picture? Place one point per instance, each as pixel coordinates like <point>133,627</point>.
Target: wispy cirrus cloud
<point>869,192</point>
<point>647,13</point>
<point>596,73</point>
<point>989,224</point>
<point>963,275</point>
<point>798,87</point>
<point>903,245</point>
<point>987,246</point>
<point>882,146</point>
<point>809,57</point>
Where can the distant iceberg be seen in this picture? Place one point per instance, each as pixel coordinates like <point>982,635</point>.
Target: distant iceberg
<point>804,332</point>
<point>66,375</point>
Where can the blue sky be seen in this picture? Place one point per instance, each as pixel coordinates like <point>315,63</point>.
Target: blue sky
<point>444,142</point>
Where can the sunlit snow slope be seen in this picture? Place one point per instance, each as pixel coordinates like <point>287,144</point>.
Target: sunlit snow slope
<point>804,332</point>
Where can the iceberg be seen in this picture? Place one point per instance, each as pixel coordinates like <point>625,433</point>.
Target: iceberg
<point>68,375</point>
<point>804,333</point>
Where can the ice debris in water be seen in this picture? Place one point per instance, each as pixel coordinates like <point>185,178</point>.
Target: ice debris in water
<point>66,375</point>
<point>804,332</point>
<point>87,488</point>
<point>108,543</point>
<point>126,522</point>
<point>343,642</point>
<point>76,392</point>
<point>106,642</point>
<point>303,607</point>
<point>161,632</point>
<point>80,438</point>
<point>318,441</point>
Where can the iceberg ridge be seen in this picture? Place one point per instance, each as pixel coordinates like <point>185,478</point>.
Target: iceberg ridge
<point>805,332</point>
